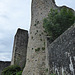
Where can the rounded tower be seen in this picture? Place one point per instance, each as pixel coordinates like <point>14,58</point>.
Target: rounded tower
<point>36,62</point>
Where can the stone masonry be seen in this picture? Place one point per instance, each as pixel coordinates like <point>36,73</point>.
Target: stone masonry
<point>36,62</point>
<point>62,53</point>
<point>20,48</point>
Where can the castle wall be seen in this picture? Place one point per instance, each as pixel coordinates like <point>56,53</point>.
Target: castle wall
<point>36,62</point>
<point>62,53</point>
<point>3,64</point>
<point>20,48</point>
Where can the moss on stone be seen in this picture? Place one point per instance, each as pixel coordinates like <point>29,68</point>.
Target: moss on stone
<point>38,49</point>
<point>40,39</point>
<point>35,24</point>
<point>32,37</point>
<point>47,70</point>
<point>43,48</point>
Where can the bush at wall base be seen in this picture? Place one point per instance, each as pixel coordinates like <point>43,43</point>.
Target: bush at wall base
<point>11,70</point>
<point>52,74</point>
<point>19,73</point>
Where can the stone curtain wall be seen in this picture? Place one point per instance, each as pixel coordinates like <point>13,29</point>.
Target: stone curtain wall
<point>3,64</point>
<point>20,48</point>
<point>36,63</point>
<point>62,53</point>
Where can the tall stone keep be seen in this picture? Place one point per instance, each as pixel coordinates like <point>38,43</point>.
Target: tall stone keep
<point>36,62</point>
<point>20,48</point>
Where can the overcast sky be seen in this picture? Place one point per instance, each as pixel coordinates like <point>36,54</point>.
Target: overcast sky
<point>15,14</point>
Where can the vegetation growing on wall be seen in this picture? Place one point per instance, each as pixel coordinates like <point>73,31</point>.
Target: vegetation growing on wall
<point>47,70</point>
<point>52,74</point>
<point>57,22</point>
<point>12,70</point>
<point>43,48</point>
<point>38,49</point>
<point>53,1</point>
<point>19,73</point>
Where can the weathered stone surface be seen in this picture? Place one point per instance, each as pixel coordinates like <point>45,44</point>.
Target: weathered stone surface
<point>3,64</point>
<point>62,53</point>
<point>20,48</point>
<point>36,62</point>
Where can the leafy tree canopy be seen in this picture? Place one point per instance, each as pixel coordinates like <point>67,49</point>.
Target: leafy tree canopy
<point>57,22</point>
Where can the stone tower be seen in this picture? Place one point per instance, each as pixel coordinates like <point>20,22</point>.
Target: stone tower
<point>36,62</point>
<point>20,48</point>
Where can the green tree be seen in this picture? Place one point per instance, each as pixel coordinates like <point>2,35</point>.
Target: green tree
<point>57,22</point>
<point>19,73</point>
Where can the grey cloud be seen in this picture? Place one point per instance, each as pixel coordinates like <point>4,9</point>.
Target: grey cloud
<point>14,14</point>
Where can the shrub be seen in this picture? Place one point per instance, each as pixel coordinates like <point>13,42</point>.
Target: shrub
<point>19,73</point>
<point>38,49</point>
<point>57,22</point>
<point>40,39</point>
<point>52,74</point>
<point>34,24</point>
<point>47,70</point>
<point>43,48</point>
<point>11,70</point>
